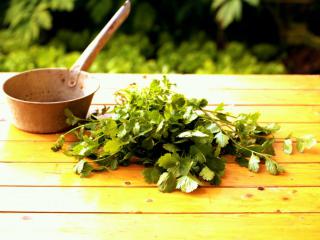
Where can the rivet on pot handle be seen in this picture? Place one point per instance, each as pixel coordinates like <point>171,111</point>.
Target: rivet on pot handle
<point>90,53</point>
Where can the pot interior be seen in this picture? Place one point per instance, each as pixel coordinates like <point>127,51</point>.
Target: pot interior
<point>49,85</point>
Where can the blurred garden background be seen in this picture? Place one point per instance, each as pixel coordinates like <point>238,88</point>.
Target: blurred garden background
<point>165,36</point>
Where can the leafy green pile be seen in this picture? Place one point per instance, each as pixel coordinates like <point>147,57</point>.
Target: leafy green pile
<point>179,141</point>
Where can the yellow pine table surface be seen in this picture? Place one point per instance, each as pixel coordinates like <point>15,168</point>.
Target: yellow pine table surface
<point>41,197</point>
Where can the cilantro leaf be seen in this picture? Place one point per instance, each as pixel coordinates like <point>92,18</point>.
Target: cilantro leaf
<point>272,127</point>
<point>58,144</point>
<point>306,142</point>
<point>253,164</point>
<point>197,154</point>
<point>219,108</point>
<point>71,119</point>
<point>151,175</point>
<point>168,160</point>
<point>83,168</point>
<point>287,146</point>
<point>207,174</point>
<point>242,161</point>
<point>170,147</point>
<point>112,146</point>
<point>213,128</point>
<point>221,139</point>
<point>273,167</point>
<point>190,115</point>
<point>187,183</point>
<point>189,134</point>
<point>110,128</point>
<point>167,182</point>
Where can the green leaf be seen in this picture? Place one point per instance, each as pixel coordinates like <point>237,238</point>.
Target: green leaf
<point>151,175</point>
<point>203,103</point>
<point>170,147</point>
<point>242,161</point>
<point>267,147</point>
<point>160,126</point>
<point>253,3</point>
<point>111,128</point>
<point>168,160</point>
<point>197,154</point>
<point>83,168</point>
<point>213,128</point>
<point>306,142</point>
<point>190,115</point>
<point>189,134</point>
<point>185,165</point>
<point>148,143</point>
<point>83,148</point>
<point>273,167</point>
<point>229,12</point>
<point>178,100</point>
<point>272,128</point>
<point>206,174</point>
<point>167,182</point>
<point>253,164</point>
<point>219,108</point>
<point>217,151</point>
<point>71,119</point>
<point>216,164</point>
<point>287,146</point>
<point>58,144</point>
<point>112,146</point>
<point>113,164</point>
<point>187,184</point>
<point>217,3</point>
<point>136,128</point>
<point>221,139</point>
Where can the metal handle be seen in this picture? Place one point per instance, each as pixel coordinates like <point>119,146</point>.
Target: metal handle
<point>90,53</point>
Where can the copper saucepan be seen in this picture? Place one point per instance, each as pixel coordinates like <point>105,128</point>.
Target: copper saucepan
<point>38,98</point>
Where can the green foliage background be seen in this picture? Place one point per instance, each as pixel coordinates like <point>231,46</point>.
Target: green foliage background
<point>158,37</point>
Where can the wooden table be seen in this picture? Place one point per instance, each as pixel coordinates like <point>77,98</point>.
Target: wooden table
<point>41,197</point>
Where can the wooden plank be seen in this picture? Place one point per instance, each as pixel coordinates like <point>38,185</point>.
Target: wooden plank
<point>30,151</point>
<point>150,200</point>
<point>155,226</point>
<point>10,133</point>
<point>214,81</point>
<point>280,114</point>
<point>298,130</point>
<point>61,174</point>
<point>235,97</point>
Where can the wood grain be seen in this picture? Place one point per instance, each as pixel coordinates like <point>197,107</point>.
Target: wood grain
<point>150,200</point>
<point>155,226</point>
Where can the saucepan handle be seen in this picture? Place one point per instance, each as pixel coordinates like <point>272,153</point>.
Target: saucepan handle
<point>90,53</point>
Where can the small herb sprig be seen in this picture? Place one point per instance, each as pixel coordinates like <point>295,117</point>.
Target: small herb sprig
<point>180,141</point>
